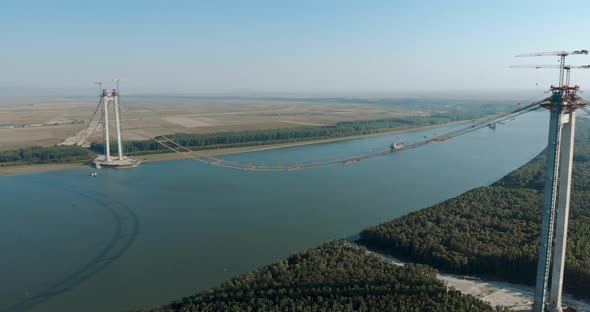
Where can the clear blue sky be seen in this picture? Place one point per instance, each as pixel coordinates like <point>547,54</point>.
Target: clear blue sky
<point>287,46</point>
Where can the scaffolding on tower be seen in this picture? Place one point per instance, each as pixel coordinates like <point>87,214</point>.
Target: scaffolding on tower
<point>562,105</point>
<point>108,100</point>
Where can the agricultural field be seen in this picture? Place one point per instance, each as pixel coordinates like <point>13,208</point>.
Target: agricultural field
<point>47,122</point>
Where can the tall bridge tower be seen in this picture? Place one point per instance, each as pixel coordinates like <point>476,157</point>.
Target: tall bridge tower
<point>108,100</point>
<point>558,176</point>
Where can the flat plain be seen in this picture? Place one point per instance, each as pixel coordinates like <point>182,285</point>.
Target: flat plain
<point>46,122</point>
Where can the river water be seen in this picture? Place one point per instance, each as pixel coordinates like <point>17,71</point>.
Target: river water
<point>131,239</point>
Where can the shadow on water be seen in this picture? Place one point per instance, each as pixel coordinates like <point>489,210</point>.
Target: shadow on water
<point>124,235</point>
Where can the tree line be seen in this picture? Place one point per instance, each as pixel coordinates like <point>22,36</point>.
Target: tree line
<point>337,276</point>
<point>39,155</point>
<point>287,135</point>
<point>494,230</point>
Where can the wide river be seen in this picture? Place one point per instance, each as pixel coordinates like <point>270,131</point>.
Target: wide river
<point>131,239</point>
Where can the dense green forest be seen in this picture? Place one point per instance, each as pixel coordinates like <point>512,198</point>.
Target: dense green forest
<point>41,155</point>
<point>337,276</point>
<point>287,135</point>
<point>494,230</point>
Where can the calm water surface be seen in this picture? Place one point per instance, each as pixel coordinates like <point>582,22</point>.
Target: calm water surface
<point>135,238</point>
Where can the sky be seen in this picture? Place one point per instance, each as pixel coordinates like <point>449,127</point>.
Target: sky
<point>299,47</point>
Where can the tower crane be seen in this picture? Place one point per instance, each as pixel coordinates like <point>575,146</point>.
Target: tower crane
<point>552,244</point>
<point>562,55</point>
<point>554,53</point>
<point>567,69</point>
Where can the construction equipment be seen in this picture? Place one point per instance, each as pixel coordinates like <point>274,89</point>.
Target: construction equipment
<point>562,105</point>
<point>554,53</point>
<point>566,67</point>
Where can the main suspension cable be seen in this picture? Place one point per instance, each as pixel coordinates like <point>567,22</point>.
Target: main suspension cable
<point>170,144</point>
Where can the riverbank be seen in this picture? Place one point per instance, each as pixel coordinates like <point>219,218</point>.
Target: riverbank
<point>183,214</point>
<point>516,297</point>
<point>513,296</point>
<point>492,231</point>
<point>22,169</point>
<point>32,168</point>
<point>336,276</point>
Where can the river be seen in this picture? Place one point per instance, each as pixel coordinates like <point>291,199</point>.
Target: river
<point>135,238</point>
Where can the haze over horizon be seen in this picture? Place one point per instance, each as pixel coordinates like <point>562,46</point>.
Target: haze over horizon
<point>303,47</point>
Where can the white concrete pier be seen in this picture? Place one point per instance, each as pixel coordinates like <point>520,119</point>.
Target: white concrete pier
<point>106,161</point>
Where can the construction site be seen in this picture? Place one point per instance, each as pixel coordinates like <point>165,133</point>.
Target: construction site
<point>108,100</point>
<point>562,103</point>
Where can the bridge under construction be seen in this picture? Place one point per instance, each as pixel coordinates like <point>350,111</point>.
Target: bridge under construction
<point>562,104</point>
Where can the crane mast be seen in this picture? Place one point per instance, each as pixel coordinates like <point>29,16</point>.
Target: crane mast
<point>567,69</point>
<point>562,106</point>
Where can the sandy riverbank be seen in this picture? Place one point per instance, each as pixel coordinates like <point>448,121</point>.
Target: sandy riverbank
<point>12,170</point>
<point>514,296</point>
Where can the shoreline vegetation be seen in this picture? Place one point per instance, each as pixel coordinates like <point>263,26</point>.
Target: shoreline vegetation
<point>489,232</point>
<point>40,159</point>
<point>337,276</point>
<point>199,142</point>
<point>493,231</point>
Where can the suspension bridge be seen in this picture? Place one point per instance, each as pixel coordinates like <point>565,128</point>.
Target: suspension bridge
<point>186,152</point>
<point>562,103</point>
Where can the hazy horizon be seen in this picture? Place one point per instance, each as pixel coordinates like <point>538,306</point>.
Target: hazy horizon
<point>303,47</point>
<point>32,94</point>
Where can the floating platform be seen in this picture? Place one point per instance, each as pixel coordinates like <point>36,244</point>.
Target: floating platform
<point>115,162</point>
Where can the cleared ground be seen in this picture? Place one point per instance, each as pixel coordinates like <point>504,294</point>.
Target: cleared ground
<point>50,122</point>
<point>514,296</point>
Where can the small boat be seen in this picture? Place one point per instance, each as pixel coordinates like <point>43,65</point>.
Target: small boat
<point>94,174</point>
<point>396,145</point>
<point>492,126</point>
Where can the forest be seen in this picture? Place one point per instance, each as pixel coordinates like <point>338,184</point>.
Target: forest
<point>493,231</point>
<point>42,155</point>
<point>337,276</point>
<point>287,135</point>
